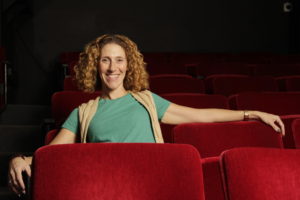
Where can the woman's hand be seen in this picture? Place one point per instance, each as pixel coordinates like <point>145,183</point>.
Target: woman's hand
<point>18,165</point>
<point>270,119</point>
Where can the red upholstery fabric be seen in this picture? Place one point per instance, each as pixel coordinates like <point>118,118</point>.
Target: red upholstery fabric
<point>261,173</point>
<point>289,83</point>
<point>212,138</point>
<point>63,103</point>
<point>212,179</point>
<point>51,135</point>
<point>274,69</point>
<point>288,139</point>
<point>280,103</point>
<point>296,132</point>
<point>99,171</point>
<point>174,83</point>
<point>165,68</point>
<point>69,84</point>
<point>232,84</point>
<point>68,57</point>
<point>194,100</point>
<point>207,69</point>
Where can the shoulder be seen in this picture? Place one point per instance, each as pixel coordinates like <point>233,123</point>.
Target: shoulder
<point>89,103</point>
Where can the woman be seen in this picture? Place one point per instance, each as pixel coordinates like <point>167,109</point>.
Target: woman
<point>126,110</point>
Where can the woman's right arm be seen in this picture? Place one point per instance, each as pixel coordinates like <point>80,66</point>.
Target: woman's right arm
<point>19,164</point>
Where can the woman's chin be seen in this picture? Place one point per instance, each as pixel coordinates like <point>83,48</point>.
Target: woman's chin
<point>112,87</point>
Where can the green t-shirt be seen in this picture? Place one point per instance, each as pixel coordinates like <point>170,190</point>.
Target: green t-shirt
<point>120,120</point>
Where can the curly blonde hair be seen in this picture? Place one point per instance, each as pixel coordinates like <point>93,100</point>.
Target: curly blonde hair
<point>86,70</point>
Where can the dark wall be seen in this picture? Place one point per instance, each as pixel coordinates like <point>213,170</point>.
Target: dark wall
<point>44,29</point>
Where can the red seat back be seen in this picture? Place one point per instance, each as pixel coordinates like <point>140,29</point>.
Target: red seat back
<point>280,103</point>
<point>296,132</point>
<point>288,139</point>
<point>69,84</point>
<point>289,83</point>
<point>261,173</point>
<point>211,139</point>
<point>64,102</point>
<point>194,100</point>
<point>51,135</point>
<point>174,83</point>
<point>197,100</point>
<point>233,84</point>
<point>117,171</point>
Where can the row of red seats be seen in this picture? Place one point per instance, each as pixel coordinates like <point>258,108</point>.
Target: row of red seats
<point>284,104</point>
<point>173,57</point>
<point>211,140</point>
<point>216,84</point>
<point>203,65</point>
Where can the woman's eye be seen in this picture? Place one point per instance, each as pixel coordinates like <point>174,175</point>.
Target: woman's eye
<point>120,60</point>
<point>104,60</point>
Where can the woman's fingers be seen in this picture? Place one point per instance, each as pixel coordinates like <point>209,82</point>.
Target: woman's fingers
<point>28,170</point>
<point>13,179</point>
<point>20,181</point>
<point>13,184</point>
<point>274,121</point>
<point>277,125</point>
<point>282,128</point>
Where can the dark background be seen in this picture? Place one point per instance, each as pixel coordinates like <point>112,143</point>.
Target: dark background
<point>35,32</point>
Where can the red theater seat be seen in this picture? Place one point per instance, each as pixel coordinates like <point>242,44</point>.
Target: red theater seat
<point>69,84</point>
<point>197,100</point>
<point>280,103</point>
<point>229,84</point>
<point>117,171</point>
<point>274,69</point>
<point>64,102</point>
<point>261,173</point>
<point>203,70</point>
<point>288,139</point>
<point>68,57</point>
<point>174,83</point>
<point>289,83</point>
<point>194,100</point>
<point>211,139</point>
<point>296,132</point>
<point>51,135</point>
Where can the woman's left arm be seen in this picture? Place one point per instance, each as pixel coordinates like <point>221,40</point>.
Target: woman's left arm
<point>177,114</point>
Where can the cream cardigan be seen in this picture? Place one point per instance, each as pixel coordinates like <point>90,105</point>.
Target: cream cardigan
<point>87,110</point>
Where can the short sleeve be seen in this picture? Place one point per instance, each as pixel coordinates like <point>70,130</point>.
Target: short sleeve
<point>161,105</point>
<point>72,122</point>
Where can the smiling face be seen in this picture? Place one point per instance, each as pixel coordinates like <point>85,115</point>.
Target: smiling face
<point>112,68</point>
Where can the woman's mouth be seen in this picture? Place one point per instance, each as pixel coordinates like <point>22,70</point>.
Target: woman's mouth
<point>112,77</point>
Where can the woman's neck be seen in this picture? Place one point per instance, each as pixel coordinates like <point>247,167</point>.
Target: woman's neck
<point>113,94</point>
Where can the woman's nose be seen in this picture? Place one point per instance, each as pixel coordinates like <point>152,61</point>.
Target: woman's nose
<point>112,66</point>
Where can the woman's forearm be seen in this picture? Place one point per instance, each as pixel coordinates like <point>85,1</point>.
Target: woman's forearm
<point>224,115</point>
<point>177,114</point>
